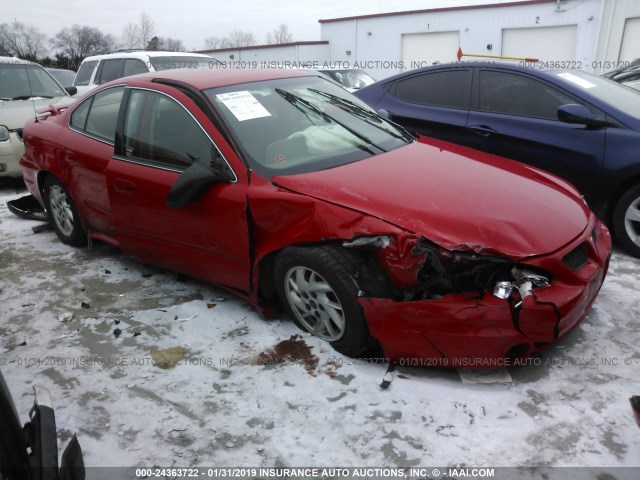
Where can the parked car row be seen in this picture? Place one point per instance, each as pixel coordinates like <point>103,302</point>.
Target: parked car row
<point>581,127</point>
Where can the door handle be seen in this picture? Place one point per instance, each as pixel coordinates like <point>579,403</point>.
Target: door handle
<point>124,186</point>
<point>482,130</point>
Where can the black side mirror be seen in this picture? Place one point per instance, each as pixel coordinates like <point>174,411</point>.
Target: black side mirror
<point>71,90</point>
<point>578,115</point>
<point>195,180</point>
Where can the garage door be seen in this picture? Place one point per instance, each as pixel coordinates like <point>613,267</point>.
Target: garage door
<point>424,49</point>
<point>545,43</point>
<point>630,48</point>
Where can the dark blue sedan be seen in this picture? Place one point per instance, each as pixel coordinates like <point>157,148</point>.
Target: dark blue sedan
<point>583,128</point>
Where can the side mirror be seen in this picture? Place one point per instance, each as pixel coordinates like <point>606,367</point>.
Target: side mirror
<point>71,90</point>
<point>578,115</point>
<point>194,181</point>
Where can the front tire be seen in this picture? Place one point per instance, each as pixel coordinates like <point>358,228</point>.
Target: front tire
<point>62,213</point>
<point>317,286</point>
<point>626,221</point>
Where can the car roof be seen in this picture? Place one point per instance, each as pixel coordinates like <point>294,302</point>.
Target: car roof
<point>144,54</point>
<point>203,78</point>
<point>15,60</point>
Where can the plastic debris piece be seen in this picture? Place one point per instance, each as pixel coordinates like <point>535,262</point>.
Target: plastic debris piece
<point>116,322</point>
<point>65,317</point>
<point>85,305</point>
<point>41,228</point>
<point>108,272</point>
<point>117,332</point>
<point>136,334</point>
<point>211,305</point>
<point>388,377</point>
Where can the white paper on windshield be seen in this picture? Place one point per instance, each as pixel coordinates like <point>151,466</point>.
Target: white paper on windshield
<point>577,80</point>
<point>243,105</point>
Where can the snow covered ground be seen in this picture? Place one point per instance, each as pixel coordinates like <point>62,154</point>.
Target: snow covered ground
<point>221,406</point>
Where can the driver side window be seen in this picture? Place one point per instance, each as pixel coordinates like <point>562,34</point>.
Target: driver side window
<point>159,130</point>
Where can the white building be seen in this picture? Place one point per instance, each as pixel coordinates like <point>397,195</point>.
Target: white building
<point>590,34</point>
<point>270,56</point>
<point>594,35</point>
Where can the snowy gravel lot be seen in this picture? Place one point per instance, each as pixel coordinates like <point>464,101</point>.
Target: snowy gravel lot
<point>220,406</point>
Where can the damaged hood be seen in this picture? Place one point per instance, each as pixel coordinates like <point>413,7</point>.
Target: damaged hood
<point>456,197</point>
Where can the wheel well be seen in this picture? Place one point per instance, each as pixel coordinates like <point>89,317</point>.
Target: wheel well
<point>619,191</point>
<point>42,177</point>
<point>375,281</point>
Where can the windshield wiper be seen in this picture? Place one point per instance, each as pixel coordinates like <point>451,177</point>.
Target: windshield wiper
<point>293,99</point>
<point>365,114</point>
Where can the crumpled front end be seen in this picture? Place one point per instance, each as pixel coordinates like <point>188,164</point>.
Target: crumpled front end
<point>473,308</point>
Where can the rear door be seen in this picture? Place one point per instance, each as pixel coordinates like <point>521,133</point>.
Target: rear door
<point>515,115</point>
<point>433,103</point>
<point>209,237</point>
<point>88,148</point>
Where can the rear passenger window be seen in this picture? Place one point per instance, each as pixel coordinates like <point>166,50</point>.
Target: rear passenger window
<point>160,130</point>
<point>110,70</point>
<point>79,115</point>
<point>442,89</point>
<point>133,66</point>
<point>103,115</point>
<point>84,73</point>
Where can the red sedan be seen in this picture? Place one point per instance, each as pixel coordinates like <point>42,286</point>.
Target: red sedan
<point>284,188</point>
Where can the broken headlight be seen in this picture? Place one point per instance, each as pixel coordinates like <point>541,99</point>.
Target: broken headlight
<point>524,281</point>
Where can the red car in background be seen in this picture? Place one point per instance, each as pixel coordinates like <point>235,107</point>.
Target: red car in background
<point>286,189</point>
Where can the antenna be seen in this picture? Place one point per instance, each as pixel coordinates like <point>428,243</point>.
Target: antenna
<point>33,102</point>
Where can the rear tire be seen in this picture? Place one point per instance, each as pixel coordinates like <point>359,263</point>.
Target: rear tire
<point>318,287</point>
<point>62,213</point>
<point>626,221</point>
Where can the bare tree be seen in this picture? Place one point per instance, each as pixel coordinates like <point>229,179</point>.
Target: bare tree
<point>280,34</point>
<point>131,36</point>
<point>146,29</point>
<point>171,44</point>
<point>22,40</point>
<point>239,38</point>
<point>213,43</point>
<point>78,42</point>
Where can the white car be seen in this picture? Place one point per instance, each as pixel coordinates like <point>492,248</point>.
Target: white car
<point>25,87</point>
<point>99,69</point>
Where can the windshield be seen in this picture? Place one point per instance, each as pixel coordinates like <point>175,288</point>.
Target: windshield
<point>24,81</point>
<point>618,96</point>
<point>303,124</point>
<point>350,78</point>
<point>178,61</point>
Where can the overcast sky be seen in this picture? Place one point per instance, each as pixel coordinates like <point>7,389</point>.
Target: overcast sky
<point>194,20</point>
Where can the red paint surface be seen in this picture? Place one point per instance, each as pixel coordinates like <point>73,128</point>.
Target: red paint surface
<point>458,198</point>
